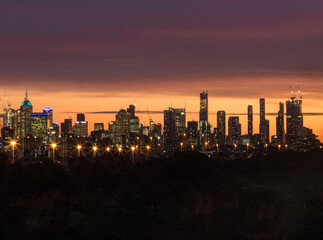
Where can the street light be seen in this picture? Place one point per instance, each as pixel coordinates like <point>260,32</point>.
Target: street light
<point>247,150</point>
<point>95,148</point>
<point>286,146</point>
<point>148,147</point>
<point>205,145</point>
<point>217,151</point>
<point>266,146</point>
<point>133,154</point>
<point>13,143</point>
<point>108,149</point>
<point>279,146</point>
<point>235,148</point>
<point>182,146</point>
<point>119,149</point>
<point>54,146</point>
<point>79,150</point>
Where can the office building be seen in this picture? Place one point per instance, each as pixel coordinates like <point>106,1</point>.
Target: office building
<point>98,127</point>
<point>280,130</point>
<point>122,128</point>
<point>250,121</point>
<point>204,106</point>
<point>81,126</point>
<point>26,109</point>
<point>294,118</point>
<point>80,117</point>
<point>192,134</point>
<point>39,124</point>
<point>221,129</point>
<point>264,124</point>
<point>234,133</point>
<point>49,111</point>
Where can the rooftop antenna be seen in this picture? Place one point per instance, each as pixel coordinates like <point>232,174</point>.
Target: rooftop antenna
<point>291,91</point>
<point>2,104</point>
<point>148,115</point>
<point>299,92</point>
<point>8,104</point>
<point>26,96</point>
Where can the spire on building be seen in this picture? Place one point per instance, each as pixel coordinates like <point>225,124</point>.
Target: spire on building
<point>26,95</point>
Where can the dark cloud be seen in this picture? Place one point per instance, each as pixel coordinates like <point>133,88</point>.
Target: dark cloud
<point>234,48</point>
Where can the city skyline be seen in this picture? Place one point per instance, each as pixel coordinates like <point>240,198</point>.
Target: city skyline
<point>104,55</point>
<point>157,116</point>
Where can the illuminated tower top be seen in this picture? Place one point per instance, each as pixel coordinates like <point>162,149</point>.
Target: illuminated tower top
<point>204,106</point>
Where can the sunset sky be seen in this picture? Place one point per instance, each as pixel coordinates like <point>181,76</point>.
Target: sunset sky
<point>99,55</point>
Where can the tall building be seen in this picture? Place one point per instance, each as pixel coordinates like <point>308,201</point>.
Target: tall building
<point>66,126</point>
<point>294,118</point>
<point>250,121</point>
<point>40,125</point>
<point>81,126</point>
<point>26,109</point>
<point>50,115</point>
<point>170,138</point>
<point>192,134</point>
<point>134,130</point>
<point>203,115</point>
<point>204,106</point>
<point>131,110</point>
<point>180,121</point>
<point>98,127</point>
<point>264,124</point>
<point>122,128</point>
<point>234,130</point>
<point>80,117</point>
<point>221,128</point>
<point>280,130</point>
<point>9,117</point>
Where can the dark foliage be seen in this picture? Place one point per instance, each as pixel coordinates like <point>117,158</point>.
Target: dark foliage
<point>186,196</point>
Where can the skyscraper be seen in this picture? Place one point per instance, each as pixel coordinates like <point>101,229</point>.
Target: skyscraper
<point>264,124</point>
<point>122,128</point>
<point>80,117</point>
<point>180,121</point>
<point>50,115</point>
<point>66,126</point>
<point>25,117</point>
<point>131,110</point>
<point>9,117</point>
<point>170,137</point>
<point>280,130</point>
<point>39,125</point>
<point>234,130</point>
<point>294,118</point>
<point>250,121</point>
<point>81,126</point>
<point>221,127</point>
<point>204,106</point>
<point>192,134</point>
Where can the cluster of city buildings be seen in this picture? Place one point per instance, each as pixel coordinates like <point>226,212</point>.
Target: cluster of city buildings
<point>35,133</point>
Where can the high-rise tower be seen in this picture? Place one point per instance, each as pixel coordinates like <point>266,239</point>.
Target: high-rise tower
<point>280,131</point>
<point>294,117</point>
<point>234,130</point>
<point>250,121</point>
<point>204,106</point>
<point>26,109</point>
<point>264,123</point>
<point>221,127</point>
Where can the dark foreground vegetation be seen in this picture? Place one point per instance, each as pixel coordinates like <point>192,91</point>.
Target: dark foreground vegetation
<point>184,197</point>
